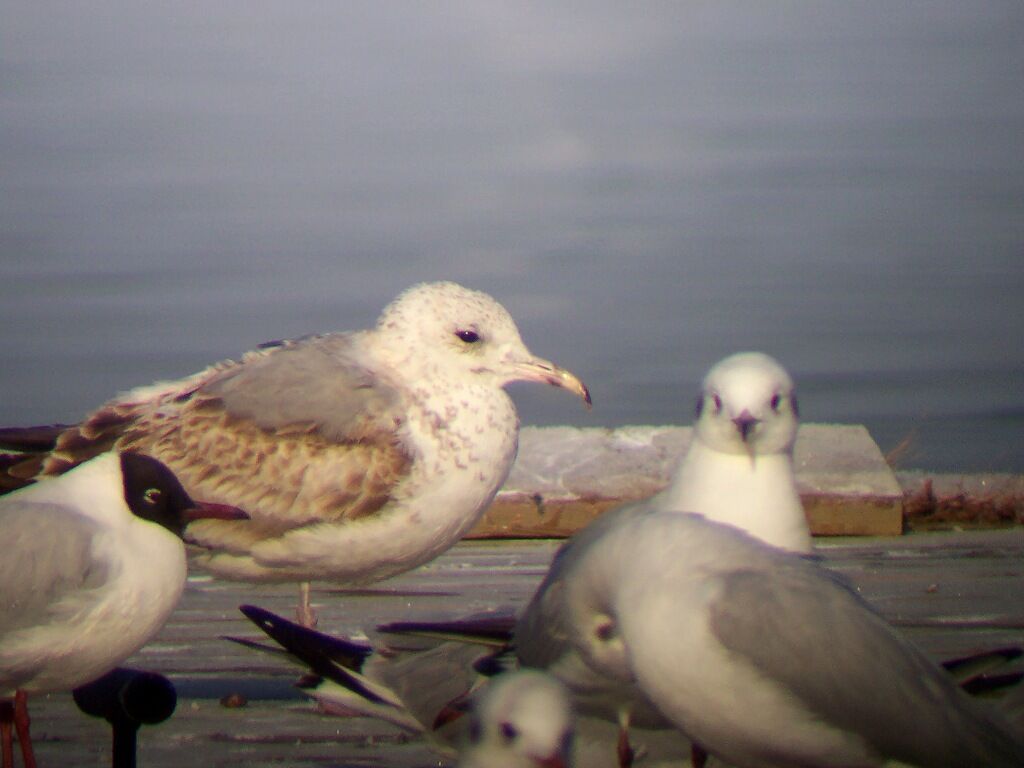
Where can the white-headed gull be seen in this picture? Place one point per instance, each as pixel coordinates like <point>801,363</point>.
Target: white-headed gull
<point>423,684</point>
<point>522,719</point>
<point>763,657</point>
<point>739,466</point>
<point>737,470</point>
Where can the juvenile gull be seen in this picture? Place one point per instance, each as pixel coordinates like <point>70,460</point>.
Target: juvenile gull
<point>93,565</point>
<point>357,455</point>
<point>765,658</point>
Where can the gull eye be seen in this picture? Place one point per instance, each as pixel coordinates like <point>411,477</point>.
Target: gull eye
<point>509,732</point>
<point>152,495</point>
<point>776,401</point>
<point>718,403</point>
<point>470,337</point>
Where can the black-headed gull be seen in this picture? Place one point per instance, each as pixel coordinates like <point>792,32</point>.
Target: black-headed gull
<point>357,455</point>
<point>93,565</point>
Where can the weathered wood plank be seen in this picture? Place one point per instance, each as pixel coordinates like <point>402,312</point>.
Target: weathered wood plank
<point>951,593</point>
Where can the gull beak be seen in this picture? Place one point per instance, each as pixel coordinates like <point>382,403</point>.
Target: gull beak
<point>205,510</point>
<point>556,760</point>
<point>546,372</point>
<point>745,423</point>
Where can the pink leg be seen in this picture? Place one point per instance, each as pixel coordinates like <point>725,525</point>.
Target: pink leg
<point>21,722</point>
<point>624,750</point>
<point>305,613</point>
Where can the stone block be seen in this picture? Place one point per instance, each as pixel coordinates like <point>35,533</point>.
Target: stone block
<point>566,476</point>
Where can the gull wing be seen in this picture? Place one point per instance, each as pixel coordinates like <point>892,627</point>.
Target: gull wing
<point>814,636</point>
<point>47,570</point>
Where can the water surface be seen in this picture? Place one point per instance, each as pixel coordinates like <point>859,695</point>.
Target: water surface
<point>647,188</point>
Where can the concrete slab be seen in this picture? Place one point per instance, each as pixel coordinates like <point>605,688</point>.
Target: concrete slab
<point>565,476</point>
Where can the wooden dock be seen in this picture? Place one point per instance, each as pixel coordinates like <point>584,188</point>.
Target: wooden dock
<point>950,592</point>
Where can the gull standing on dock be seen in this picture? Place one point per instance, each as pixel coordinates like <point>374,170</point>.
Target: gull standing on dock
<point>357,455</point>
<point>765,658</point>
<point>93,565</point>
<point>738,470</point>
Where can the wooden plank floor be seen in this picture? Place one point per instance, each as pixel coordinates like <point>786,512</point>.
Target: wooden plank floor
<point>950,592</point>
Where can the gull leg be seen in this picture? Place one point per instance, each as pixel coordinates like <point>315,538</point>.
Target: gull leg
<point>6,736</point>
<point>21,722</point>
<point>305,613</point>
<point>698,755</point>
<point>623,749</point>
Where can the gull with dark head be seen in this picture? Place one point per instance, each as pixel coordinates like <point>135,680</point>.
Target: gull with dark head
<point>93,565</point>
<point>357,455</point>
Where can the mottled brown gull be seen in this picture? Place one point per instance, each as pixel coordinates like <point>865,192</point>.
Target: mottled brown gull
<point>358,455</point>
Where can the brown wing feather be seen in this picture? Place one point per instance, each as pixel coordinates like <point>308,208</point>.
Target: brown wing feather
<point>293,434</point>
<point>282,477</point>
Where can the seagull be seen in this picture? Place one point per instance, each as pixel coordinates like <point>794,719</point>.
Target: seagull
<point>421,691</point>
<point>738,470</point>
<point>765,658</point>
<point>357,455</point>
<point>93,565</point>
<point>739,466</point>
<point>523,719</point>
<point>424,684</point>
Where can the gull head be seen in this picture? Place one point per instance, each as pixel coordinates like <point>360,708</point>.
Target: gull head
<point>747,406</point>
<point>523,719</point>
<point>153,493</point>
<point>449,331</point>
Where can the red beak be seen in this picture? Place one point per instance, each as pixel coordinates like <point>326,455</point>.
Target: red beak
<point>205,510</point>
<point>556,760</point>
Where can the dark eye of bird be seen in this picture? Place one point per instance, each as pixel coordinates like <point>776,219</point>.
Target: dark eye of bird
<point>718,403</point>
<point>470,337</point>
<point>152,495</point>
<point>775,402</point>
<point>508,731</point>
